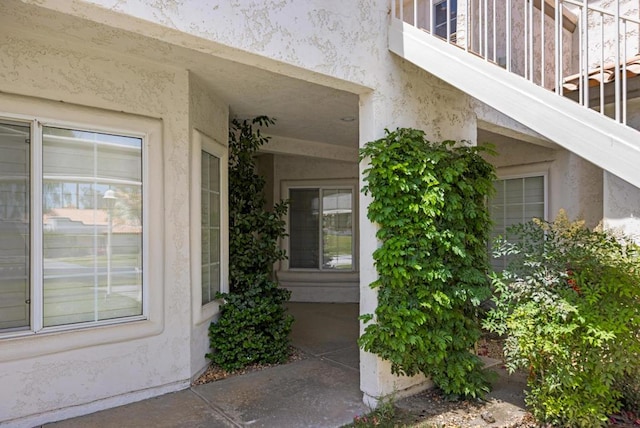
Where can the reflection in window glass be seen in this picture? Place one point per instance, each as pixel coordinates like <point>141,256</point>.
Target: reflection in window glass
<point>304,239</point>
<point>444,13</point>
<point>210,226</point>
<point>92,226</point>
<point>14,226</point>
<point>336,229</point>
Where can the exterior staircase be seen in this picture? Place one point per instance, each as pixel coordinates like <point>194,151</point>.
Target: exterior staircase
<point>521,77</point>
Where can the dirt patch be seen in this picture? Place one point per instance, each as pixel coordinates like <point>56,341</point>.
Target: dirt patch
<point>431,409</point>
<point>215,373</point>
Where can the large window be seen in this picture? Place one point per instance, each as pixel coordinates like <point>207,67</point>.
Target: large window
<point>321,228</point>
<point>70,226</point>
<point>517,200</point>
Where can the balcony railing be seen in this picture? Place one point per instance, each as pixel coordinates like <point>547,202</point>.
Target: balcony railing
<point>576,48</point>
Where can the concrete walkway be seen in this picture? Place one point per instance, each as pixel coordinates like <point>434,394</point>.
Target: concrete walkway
<point>321,390</point>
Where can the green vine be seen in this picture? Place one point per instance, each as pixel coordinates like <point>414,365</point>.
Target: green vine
<point>429,205</point>
<point>253,326</point>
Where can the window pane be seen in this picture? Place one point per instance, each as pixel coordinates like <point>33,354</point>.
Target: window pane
<point>214,173</point>
<point>92,226</point>
<point>534,190</point>
<point>304,234</point>
<point>206,284</point>
<point>517,200</point>
<point>514,190</point>
<point>441,14</point>
<point>14,226</point>
<point>210,231</point>
<point>336,229</point>
<point>214,208</point>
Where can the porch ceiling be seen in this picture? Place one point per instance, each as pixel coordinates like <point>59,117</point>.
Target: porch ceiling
<point>304,110</point>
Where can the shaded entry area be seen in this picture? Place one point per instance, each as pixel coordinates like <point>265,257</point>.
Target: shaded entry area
<point>327,330</point>
<point>321,390</point>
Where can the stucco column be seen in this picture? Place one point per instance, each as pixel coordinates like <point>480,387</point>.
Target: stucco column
<point>376,380</point>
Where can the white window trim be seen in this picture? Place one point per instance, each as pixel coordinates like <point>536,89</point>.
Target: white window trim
<point>342,183</point>
<point>531,170</point>
<point>446,24</point>
<point>203,313</point>
<point>28,344</point>
<point>525,171</point>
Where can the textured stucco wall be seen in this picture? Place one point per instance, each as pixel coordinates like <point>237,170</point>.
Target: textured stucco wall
<point>622,200</point>
<point>210,116</point>
<point>622,206</point>
<point>305,168</point>
<point>576,187</point>
<point>43,68</point>
<point>602,34</point>
<point>340,44</point>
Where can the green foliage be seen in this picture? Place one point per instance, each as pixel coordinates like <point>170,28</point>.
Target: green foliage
<point>253,326</point>
<point>568,303</point>
<point>429,204</point>
<point>383,416</point>
<point>629,387</point>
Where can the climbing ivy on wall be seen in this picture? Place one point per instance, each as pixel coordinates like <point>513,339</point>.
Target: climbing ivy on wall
<point>253,326</point>
<point>429,205</point>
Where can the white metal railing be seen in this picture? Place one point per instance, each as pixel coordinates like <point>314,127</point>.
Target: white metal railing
<point>577,48</point>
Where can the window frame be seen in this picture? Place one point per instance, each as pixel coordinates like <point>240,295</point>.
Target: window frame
<point>202,142</point>
<point>334,184</point>
<point>38,340</point>
<point>447,24</point>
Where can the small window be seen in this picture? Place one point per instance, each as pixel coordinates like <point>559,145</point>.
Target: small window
<point>321,228</point>
<point>445,12</point>
<point>210,230</point>
<point>517,200</point>
<point>210,225</point>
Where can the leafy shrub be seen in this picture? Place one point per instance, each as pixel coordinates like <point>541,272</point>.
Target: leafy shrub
<point>629,388</point>
<point>383,416</point>
<point>568,303</point>
<point>429,204</point>
<point>253,326</point>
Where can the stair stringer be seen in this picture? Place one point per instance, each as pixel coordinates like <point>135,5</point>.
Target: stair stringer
<point>608,144</point>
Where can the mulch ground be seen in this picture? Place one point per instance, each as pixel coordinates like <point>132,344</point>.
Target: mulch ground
<point>215,373</point>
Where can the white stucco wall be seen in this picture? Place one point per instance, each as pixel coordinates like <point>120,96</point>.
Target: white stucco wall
<point>339,44</point>
<point>621,207</point>
<point>602,35</point>
<point>210,116</point>
<point>51,385</point>
<point>622,199</point>
<point>316,41</point>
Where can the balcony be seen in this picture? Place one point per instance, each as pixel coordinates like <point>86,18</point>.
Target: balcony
<point>574,48</point>
<point>567,69</point>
